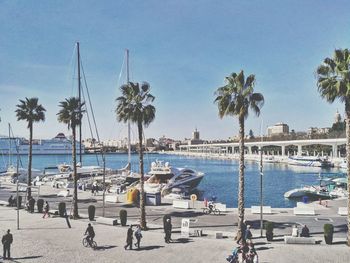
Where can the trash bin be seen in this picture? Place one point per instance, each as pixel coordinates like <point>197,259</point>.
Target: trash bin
<point>131,195</point>
<point>305,199</point>
<point>153,198</point>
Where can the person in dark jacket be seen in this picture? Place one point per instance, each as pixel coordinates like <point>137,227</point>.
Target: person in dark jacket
<point>167,229</point>
<point>31,204</point>
<point>7,240</point>
<point>305,232</point>
<point>129,238</point>
<point>90,234</point>
<point>10,201</point>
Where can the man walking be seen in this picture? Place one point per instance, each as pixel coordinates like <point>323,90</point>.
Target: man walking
<point>7,240</point>
<point>129,238</point>
<point>167,229</point>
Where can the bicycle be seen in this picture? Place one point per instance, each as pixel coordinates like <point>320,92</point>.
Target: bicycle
<point>211,209</point>
<point>86,243</point>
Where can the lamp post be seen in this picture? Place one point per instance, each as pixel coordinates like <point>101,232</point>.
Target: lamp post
<point>261,191</point>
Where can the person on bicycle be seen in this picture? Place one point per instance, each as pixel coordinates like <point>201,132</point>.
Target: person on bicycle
<point>90,234</point>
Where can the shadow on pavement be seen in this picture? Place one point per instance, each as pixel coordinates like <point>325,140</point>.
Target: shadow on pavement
<point>263,248</point>
<point>181,240</point>
<point>29,257</point>
<point>104,247</point>
<point>148,248</point>
<point>339,243</point>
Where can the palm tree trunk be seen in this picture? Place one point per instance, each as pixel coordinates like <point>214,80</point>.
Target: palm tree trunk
<point>142,190</point>
<point>241,176</point>
<point>75,176</point>
<point>347,128</point>
<point>29,178</point>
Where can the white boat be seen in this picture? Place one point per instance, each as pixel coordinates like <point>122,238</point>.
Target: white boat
<point>311,161</point>
<point>163,178</point>
<point>312,191</point>
<point>57,145</point>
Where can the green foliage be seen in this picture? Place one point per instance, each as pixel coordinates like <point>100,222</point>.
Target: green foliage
<point>40,205</point>
<point>135,104</point>
<point>237,96</point>
<point>70,112</point>
<point>91,211</point>
<point>123,214</point>
<point>268,226</point>
<point>30,111</point>
<point>328,229</point>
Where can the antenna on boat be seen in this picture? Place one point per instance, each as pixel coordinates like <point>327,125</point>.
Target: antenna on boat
<point>128,81</point>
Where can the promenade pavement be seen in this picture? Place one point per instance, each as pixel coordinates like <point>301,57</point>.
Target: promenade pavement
<point>50,240</point>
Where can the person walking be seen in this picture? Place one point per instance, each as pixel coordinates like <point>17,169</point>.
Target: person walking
<point>248,234</point>
<point>167,229</point>
<point>7,240</point>
<point>138,236</point>
<point>10,200</point>
<point>46,210</point>
<point>129,238</point>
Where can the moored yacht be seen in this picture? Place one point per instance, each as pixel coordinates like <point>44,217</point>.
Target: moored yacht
<point>163,178</point>
<point>311,161</point>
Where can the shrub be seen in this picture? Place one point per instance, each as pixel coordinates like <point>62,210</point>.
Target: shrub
<point>123,214</point>
<point>91,211</point>
<point>62,209</point>
<point>40,205</point>
<point>269,230</point>
<point>328,233</point>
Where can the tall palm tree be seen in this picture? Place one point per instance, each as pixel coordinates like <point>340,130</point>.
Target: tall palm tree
<point>135,105</point>
<point>333,82</point>
<point>71,114</point>
<point>235,99</point>
<point>30,111</point>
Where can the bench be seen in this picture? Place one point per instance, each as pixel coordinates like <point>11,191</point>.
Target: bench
<point>265,210</point>
<point>343,211</point>
<point>181,204</point>
<point>111,198</point>
<point>107,221</point>
<point>63,193</point>
<point>299,240</point>
<point>221,207</point>
<point>304,211</point>
<point>3,202</point>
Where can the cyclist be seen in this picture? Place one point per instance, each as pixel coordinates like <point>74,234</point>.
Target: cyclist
<point>90,234</point>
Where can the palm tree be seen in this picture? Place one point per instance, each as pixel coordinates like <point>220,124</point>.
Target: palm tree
<point>71,114</point>
<point>235,99</point>
<point>30,111</point>
<point>135,105</point>
<point>333,82</point>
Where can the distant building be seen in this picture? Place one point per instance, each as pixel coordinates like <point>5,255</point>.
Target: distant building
<point>278,129</point>
<point>195,139</point>
<point>314,130</point>
<point>337,117</point>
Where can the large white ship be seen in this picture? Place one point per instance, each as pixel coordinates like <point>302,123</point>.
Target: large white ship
<point>57,145</point>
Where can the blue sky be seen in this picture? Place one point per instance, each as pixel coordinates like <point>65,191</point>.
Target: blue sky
<point>183,48</point>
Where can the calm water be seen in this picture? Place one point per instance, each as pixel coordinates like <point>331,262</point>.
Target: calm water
<point>221,176</point>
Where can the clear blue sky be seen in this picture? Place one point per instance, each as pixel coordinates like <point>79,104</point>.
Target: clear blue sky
<point>183,48</point>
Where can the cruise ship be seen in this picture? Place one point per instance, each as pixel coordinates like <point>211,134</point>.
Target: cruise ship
<point>57,145</point>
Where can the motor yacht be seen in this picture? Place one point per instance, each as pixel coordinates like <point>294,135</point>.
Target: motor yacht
<point>311,161</point>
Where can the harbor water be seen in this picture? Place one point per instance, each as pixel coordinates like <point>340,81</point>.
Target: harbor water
<point>221,176</point>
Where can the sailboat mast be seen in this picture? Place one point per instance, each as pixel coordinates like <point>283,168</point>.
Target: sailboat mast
<point>79,95</point>
<point>10,146</point>
<point>127,81</point>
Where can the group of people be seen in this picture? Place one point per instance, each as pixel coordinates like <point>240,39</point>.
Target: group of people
<point>305,232</point>
<point>245,246</point>
<point>129,237</point>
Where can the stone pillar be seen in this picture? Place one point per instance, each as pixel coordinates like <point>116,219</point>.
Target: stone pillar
<point>334,150</point>
<point>300,149</point>
<point>283,148</point>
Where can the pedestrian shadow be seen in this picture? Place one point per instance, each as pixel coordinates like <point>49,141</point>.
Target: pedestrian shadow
<point>182,240</point>
<point>49,196</point>
<point>263,248</point>
<point>148,248</point>
<point>104,247</point>
<point>339,243</point>
<point>21,258</point>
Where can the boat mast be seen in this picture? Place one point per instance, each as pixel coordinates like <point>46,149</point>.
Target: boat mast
<point>127,81</point>
<point>10,157</point>
<point>79,95</point>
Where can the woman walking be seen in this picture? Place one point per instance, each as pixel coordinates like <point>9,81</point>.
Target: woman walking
<point>138,236</point>
<point>46,210</point>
